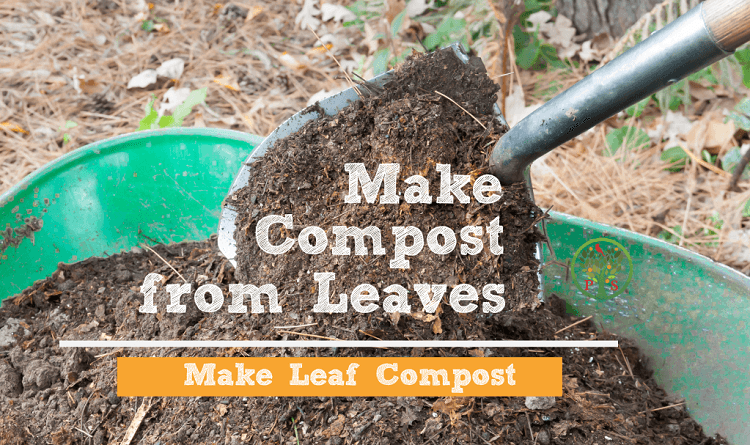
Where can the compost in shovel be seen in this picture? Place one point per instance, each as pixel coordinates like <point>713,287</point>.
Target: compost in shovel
<point>53,395</point>
<point>433,120</point>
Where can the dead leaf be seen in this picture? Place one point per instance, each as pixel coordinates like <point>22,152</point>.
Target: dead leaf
<point>408,417</point>
<point>221,409</point>
<point>449,404</point>
<point>395,317</point>
<point>171,69</point>
<point>173,98</point>
<point>10,126</point>
<point>90,86</point>
<point>515,106</point>
<point>432,425</point>
<point>143,79</point>
<point>437,326</point>
<point>255,12</point>
<point>561,32</point>
<point>561,428</point>
<point>336,428</point>
<point>320,50</point>
<point>538,19</point>
<point>227,82</point>
<point>476,353</point>
<point>307,17</point>
<point>418,7</point>
<point>421,316</point>
<point>292,62</point>
<point>337,13</point>
<point>450,407</point>
<point>700,92</point>
<point>393,8</point>
<point>718,134</point>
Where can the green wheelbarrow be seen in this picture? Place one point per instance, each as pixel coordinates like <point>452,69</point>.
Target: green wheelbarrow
<point>689,315</point>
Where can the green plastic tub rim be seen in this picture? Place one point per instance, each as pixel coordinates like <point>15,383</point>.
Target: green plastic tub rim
<point>689,315</point>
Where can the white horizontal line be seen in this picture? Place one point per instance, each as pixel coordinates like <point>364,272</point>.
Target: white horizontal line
<point>338,344</point>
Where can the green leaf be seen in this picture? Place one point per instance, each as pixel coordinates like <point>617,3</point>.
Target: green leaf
<point>167,121</point>
<point>632,137</point>
<point>380,63</point>
<point>704,74</point>
<point>528,55</point>
<point>637,109</point>
<point>746,210</point>
<point>731,159</point>
<point>746,75</point>
<point>69,124</point>
<point>446,32</point>
<point>147,25</point>
<point>676,157</point>
<point>183,110</point>
<point>66,138</point>
<point>151,116</point>
<point>398,21</point>
<point>706,156</point>
<point>549,55</point>
<point>744,106</point>
<point>668,237</point>
<point>743,56</point>
<point>740,120</point>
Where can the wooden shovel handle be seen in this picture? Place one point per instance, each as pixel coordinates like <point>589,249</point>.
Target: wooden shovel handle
<point>728,21</point>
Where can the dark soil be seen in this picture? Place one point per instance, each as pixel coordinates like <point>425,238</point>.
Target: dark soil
<point>410,125</point>
<point>51,395</point>
<point>48,394</point>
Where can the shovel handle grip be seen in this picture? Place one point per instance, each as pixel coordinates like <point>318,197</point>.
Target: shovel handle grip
<point>728,21</point>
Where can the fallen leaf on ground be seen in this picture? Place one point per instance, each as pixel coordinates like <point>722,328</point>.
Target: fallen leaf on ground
<point>10,126</point>
<point>171,69</point>
<point>421,316</point>
<point>307,17</point>
<point>173,98</point>
<point>227,82</point>
<point>515,106</point>
<point>337,13</point>
<point>290,61</point>
<point>143,79</point>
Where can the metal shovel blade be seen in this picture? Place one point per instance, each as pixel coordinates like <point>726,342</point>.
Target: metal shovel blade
<point>331,106</point>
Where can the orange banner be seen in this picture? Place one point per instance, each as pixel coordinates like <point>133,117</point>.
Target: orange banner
<point>339,376</point>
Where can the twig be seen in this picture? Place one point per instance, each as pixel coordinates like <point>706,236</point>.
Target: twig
<point>502,75</point>
<point>297,326</point>
<point>351,82</point>
<point>627,363</point>
<point>84,432</point>
<point>528,421</point>
<point>165,261</point>
<point>711,167</point>
<point>459,106</point>
<point>738,169</point>
<point>369,335</point>
<point>663,407</point>
<point>620,436</point>
<point>136,422</point>
<point>576,323</point>
<point>308,335</point>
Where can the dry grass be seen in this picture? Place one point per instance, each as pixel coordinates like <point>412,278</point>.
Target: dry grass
<point>39,64</point>
<point>211,43</point>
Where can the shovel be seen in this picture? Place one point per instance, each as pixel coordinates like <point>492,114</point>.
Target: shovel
<point>702,36</point>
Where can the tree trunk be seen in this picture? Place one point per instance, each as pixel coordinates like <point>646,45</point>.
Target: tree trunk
<point>592,17</point>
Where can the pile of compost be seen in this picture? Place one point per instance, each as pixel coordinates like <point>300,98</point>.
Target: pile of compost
<point>69,396</point>
<point>436,110</point>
